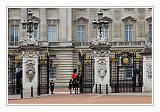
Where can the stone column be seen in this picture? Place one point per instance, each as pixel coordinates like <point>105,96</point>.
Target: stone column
<point>43,25</point>
<point>69,24</point>
<point>147,65</point>
<point>65,24</point>
<point>30,57</point>
<point>147,73</point>
<point>23,35</point>
<point>102,68</point>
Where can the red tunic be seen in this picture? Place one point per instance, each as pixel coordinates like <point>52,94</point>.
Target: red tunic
<point>74,75</point>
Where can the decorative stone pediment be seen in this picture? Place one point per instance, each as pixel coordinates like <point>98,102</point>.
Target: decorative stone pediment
<point>129,18</point>
<point>14,21</point>
<point>52,21</point>
<point>107,19</point>
<point>149,19</point>
<point>81,20</point>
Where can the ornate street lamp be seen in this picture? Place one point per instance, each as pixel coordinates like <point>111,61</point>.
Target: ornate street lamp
<point>101,23</point>
<point>30,25</point>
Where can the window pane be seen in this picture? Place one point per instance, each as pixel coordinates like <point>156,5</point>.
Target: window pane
<point>14,33</point>
<point>52,73</point>
<point>130,27</point>
<point>52,33</point>
<point>128,32</point>
<point>126,36</point>
<point>129,72</point>
<point>130,35</point>
<point>80,33</point>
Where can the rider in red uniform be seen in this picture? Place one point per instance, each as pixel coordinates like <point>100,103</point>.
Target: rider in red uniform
<point>74,75</point>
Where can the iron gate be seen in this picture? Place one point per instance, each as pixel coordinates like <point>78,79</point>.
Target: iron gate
<point>87,73</point>
<point>43,75</point>
<point>126,72</point>
<point>14,75</point>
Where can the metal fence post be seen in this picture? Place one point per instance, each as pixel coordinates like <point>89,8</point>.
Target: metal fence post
<point>99,88</point>
<point>106,88</point>
<point>31,91</point>
<point>96,88</point>
<point>22,91</point>
<point>39,90</point>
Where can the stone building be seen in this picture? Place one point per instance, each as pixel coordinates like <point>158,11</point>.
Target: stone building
<point>64,32</point>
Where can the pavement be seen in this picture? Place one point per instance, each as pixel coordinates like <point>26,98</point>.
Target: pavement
<point>63,96</point>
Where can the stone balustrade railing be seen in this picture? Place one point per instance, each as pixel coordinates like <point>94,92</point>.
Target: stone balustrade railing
<point>77,44</point>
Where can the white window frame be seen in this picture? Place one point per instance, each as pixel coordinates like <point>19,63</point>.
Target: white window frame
<point>80,31</point>
<point>128,38</point>
<point>14,33</point>
<point>54,30</point>
<point>105,33</point>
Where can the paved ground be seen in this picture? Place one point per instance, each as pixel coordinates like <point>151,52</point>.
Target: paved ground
<point>62,96</point>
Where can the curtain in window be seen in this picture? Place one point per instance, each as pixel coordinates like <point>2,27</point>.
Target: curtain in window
<point>105,33</point>
<point>14,33</point>
<point>128,32</point>
<point>52,33</point>
<point>81,33</point>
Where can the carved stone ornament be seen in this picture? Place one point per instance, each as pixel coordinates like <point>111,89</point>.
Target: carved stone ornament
<point>148,42</point>
<point>30,70</point>
<point>101,53</point>
<point>102,68</point>
<point>149,70</point>
<point>30,54</point>
<point>30,42</point>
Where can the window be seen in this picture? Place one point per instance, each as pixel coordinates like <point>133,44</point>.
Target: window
<point>128,72</point>
<point>150,30</point>
<point>128,32</point>
<point>52,33</point>
<point>52,73</point>
<point>105,33</point>
<point>14,33</point>
<point>81,33</point>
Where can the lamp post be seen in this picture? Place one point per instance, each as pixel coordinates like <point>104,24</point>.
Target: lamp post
<point>101,23</point>
<point>30,24</point>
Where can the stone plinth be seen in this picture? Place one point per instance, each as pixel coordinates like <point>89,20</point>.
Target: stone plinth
<point>147,65</point>
<point>102,68</point>
<point>30,55</point>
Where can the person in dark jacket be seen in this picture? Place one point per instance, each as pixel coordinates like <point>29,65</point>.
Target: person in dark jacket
<point>70,86</point>
<point>52,86</point>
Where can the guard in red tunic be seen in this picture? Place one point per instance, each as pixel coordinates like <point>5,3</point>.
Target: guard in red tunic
<point>74,75</point>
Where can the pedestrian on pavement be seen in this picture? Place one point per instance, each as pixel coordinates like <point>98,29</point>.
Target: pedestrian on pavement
<point>52,86</point>
<point>70,86</point>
